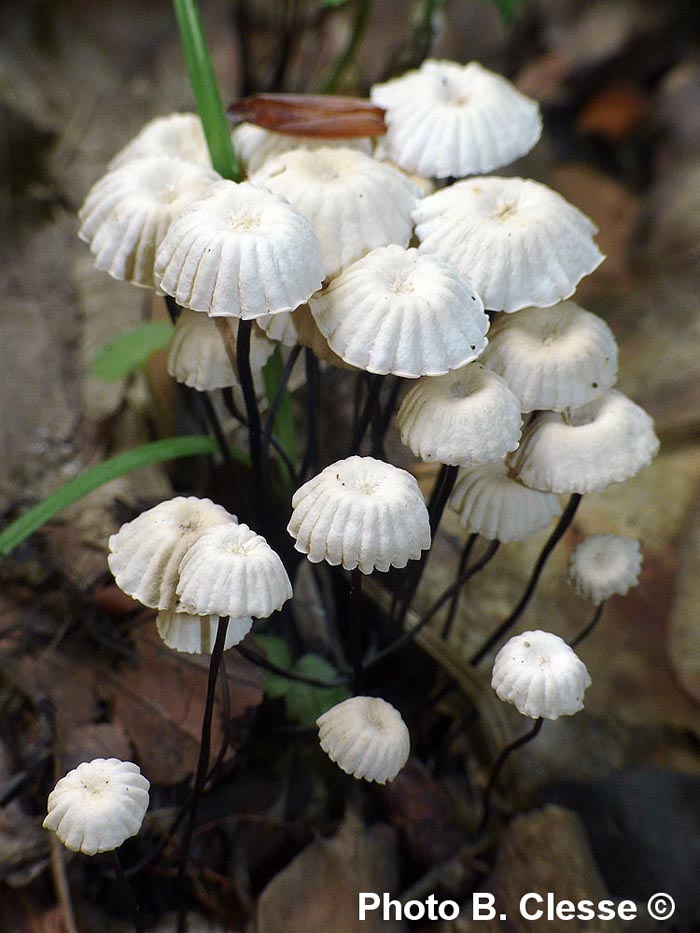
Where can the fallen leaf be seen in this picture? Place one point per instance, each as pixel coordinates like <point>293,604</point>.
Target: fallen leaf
<point>160,699</point>
<point>614,112</point>
<point>318,891</point>
<point>87,741</point>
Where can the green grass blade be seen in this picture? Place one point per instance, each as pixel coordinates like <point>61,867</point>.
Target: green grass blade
<point>79,486</point>
<point>283,429</point>
<point>130,350</point>
<point>206,91</point>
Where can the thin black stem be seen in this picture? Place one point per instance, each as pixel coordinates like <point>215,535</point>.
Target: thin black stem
<point>452,612</point>
<point>408,636</point>
<point>371,401</point>
<point>344,61</point>
<point>127,892</point>
<point>496,771</point>
<point>259,467</point>
<point>273,668</point>
<point>565,520</point>
<point>436,506</point>
<point>355,629</point>
<point>202,762</point>
<point>584,633</point>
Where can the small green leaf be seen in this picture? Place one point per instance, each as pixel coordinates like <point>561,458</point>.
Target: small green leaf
<point>304,703</point>
<point>283,429</point>
<point>146,455</point>
<point>278,653</point>
<point>508,9</point>
<point>130,350</point>
<point>333,2</point>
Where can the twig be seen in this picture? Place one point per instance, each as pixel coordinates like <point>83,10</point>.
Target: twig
<point>589,628</point>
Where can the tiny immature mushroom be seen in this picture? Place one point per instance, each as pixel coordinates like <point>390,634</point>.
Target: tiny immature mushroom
<point>98,805</point>
<point>366,737</point>
<point>540,675</point>
<point>605,565</point>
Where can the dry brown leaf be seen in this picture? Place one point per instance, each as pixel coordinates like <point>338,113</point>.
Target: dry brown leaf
<point>160,702</point>
<point>545,851</point>
<point>86,741</point>
<point>318,891</point>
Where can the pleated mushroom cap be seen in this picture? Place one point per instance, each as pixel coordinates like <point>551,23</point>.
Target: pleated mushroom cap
<point>455,120</point>
<point>397,311</point>
<point>607,441</point>
<point>192,634</point>
<point>198,358</point>
<point>366,737</point>
<point>516,242</point>
<point>465,418</point>
<point>232,571</point>
<point>240,252</point>
<point>353,202</point>
<point>178,134</point>
<point>360,512</point>
<point>604,566</point>
<point>553,358</point>
<point>128,212</point>
<point>254,145</point>
<point>496,506</point>
<point>98,805</point>
<point>540,675</point>
<point>145,553</point>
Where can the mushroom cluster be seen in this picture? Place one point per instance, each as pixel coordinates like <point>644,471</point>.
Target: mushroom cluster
<point>402,257</point>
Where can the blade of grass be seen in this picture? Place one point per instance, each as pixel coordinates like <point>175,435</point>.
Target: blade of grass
<point>146,455</point>
<point>205,89</point>
<point>129,350</point>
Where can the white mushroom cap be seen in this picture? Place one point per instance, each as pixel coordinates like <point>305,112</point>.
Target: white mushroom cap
<point>496,506</point>
<point>397,311</point>
<point>540,675</point>
<point>254,145</point>
<point>232,571</point>
<point>197,356</point>
<point>353,202</point>
<point>553,358</point>
<point>604,566</point>
<point>128,212</point>
<point>192,634</point>
<point>366,737</point>
<point>454,120</point>
<point>465,418</point>
<point>360,512</point>
<point>515,241</point>
<point>178,134</point>
<point>607,441</point>
<point>145,553</point>
<point>241,252</point>
<point>97,806</point>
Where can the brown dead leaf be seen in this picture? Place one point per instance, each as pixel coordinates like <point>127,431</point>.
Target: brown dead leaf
<point>318,891</point>
<point>614,112</point>
<point>86,741</point>
<point>421,809</point>
<point>160,703</point>
<point>23,846</point>
<point>542,851</point>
